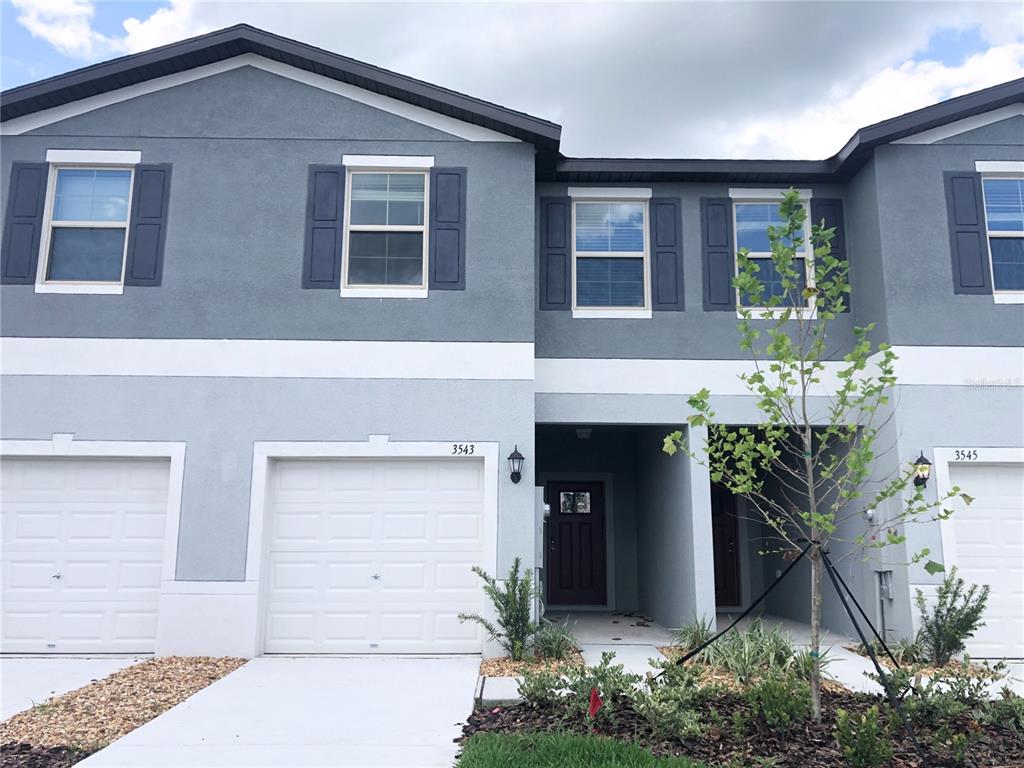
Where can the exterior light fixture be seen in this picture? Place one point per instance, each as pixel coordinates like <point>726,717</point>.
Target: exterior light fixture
<point>922,471</point>
<point>515,464</point>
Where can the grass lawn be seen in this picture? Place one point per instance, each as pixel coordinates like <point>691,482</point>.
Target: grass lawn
<point>557,750</point>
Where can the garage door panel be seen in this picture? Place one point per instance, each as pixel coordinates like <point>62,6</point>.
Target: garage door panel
<point>989,536</point>
<point>383,565</point>
<point>82,553</point>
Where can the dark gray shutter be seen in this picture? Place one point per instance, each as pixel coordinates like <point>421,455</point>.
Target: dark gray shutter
<point>447,229</point>
<point>968,237</point>
<point>717,253</point>
<point>831,212</point>
<point>555,252</point>
<point>321,263</point>
<point>147,229</point>
<point>666,254</point>
<point>23,224</point>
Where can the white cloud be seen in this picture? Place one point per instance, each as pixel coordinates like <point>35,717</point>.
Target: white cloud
<point>818,130</point>
<point>706,79</point>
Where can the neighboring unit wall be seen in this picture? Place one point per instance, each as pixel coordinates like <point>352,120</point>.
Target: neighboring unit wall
<point>867,275</point>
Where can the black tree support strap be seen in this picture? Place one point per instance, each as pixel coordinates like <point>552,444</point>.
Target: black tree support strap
<point>867,621</point>
<point>882,677</point>
<point>743,615</point>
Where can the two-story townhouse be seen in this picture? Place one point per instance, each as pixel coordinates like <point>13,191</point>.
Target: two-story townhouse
<point>277,325</point>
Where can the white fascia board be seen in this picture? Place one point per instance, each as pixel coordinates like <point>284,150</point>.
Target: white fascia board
<point>259,358</point>
<point>999,166</point>
<point>772,195</point>
<point>949,130</point>
<point>611,193</point>
<point>93,156</point>
<point>387,161</point>
<point>412,112</point>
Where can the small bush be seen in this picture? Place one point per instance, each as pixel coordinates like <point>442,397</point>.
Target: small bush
<point>694,635</point>
<point>750,654</point>
<point>541,689</point>
<point>865,741</point>
<point>956,616</point>
<point>803,660</point>
<point>553,641</point>
<point>513,606</point>
<point>941,696</point>
<point>612,682</point>
<point>671,703</point>
<point>1007,712</point>
<point>779,704</point>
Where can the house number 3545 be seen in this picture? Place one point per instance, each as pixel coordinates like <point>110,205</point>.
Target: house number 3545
<point>463,449</point>
<point>962,454</point>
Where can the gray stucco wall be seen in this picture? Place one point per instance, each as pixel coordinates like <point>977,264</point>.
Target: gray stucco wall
<point>240,144</point>
<point>867,280</point>
<point>921,306</point>
<point>220,418</point>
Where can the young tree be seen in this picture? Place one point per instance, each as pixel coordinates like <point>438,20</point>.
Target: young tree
<point>806,467</point>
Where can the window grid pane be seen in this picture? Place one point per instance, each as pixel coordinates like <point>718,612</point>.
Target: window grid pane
<point>387,199</point>
<point>1007,263</point>
<point>752,222</point>
<point>93,195</point>
<point>1004,204</point>
<point>385,258</point>
<point>86,254</point>
<point>771,281</point>
<point>609,282</point>
<point>609,227</point>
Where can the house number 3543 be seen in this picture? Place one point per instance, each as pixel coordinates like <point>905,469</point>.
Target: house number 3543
<point>463,449</point>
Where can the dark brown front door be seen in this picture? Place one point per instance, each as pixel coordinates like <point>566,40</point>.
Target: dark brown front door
<point>575,544</point>
<point>725,530</point>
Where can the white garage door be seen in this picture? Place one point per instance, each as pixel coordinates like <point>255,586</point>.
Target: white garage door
<point>990,550</point>
<point>82,552</point>
<point>374,556</point>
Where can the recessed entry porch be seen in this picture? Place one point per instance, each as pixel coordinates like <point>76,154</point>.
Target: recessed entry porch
<point>630,530</point>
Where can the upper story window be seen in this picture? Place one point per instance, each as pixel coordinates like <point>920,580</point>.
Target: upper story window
<point>85,237</point>
<point>610,257</point>
<point>752,216</point>
<point>1004,219</point>
<point>386,232</point>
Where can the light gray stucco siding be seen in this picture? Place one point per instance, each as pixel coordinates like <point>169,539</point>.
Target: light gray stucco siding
<point>241,144</point>
<point>221,418</point>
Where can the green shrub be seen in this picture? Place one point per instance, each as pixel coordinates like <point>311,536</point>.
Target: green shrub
<point>803,660</point>
<point>752,653</point>
<point>941,696</point>
<point>865,741</point>
<point>612,682</point>
<point>513,606</point>
<point>956,616</point>
<point>1007,712</point>
<point>541,689</point>
<point>671,703</point>
<point>553,641</point>
<point>779,704</point>
<point>694,635</point>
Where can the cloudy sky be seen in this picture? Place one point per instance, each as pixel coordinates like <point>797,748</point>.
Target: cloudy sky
<point>685,79</point>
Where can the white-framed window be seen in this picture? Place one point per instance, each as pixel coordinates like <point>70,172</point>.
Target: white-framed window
<point>610,253</point>
<point>85,233</point>
<point>753,212</point>
<point>385,232</point>
<point>1004,220</point>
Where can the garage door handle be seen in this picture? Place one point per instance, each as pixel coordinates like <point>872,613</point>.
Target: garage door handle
<point>376,577</point>
<point>56,576</point>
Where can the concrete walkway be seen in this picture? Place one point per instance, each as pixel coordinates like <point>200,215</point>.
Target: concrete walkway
<point>30,680</point>
<point>337,711</point>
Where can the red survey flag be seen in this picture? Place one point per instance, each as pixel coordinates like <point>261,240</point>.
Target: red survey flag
<point>595,703</point>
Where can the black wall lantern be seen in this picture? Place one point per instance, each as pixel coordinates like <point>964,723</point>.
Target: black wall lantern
<point>922,471</point>
<point>515,464</point>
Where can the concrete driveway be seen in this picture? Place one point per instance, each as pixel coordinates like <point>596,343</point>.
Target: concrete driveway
<point>338,711</point>
<point>27,681</point>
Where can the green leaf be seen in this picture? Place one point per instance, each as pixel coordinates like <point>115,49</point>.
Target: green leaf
<point>933,567</point>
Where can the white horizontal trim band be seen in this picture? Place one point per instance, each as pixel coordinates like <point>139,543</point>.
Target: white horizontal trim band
<point>267,358</point>
<point>999,166</point>
<point>927,366</point>
<point>387,161</point>
<point>94,156</point>
<point>420,115</point>
<point>607,193</point>
<point>773,195</point>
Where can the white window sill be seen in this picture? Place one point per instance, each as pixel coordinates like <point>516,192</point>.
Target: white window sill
<point>1008,297</point>
<point>105,289</point>
<point>613,314</point>
<point>383,293</point>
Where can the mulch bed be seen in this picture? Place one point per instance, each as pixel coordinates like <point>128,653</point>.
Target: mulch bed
<point>711,676</point>
<point>503,666</point>
<point>807,747</point>
<point>68,728</point>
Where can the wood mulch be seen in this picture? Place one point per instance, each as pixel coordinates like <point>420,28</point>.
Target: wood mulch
<point>709,675</point>
<point>67,728</point>
<point>809,746</point>
<point>503,666</point>
<point>928,670</point>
